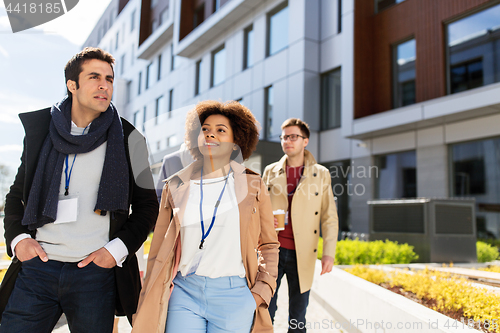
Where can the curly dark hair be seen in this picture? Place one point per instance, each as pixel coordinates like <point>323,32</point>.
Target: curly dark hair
<point>73,68</point>
<point>244,125</point>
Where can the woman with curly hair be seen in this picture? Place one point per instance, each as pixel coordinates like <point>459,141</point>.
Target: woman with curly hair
<point>213,261</point>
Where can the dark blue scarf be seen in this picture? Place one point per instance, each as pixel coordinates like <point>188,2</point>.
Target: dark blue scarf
<point>114,185</point>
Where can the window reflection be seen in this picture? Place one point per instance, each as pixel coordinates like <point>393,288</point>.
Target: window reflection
<point>404,73</point>
<point>397,175</point>
<point>218,66</point>
<point>268,125</point>
<point>248,48</point>
<point>473,49</point>
<point>476,173</point>
<point>330,99</point>
<point>278,29</point>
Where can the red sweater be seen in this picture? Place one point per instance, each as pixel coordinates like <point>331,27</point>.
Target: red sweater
<point>293,175</point>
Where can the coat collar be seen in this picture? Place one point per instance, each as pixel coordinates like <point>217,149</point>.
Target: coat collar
<point>179,182</point>
<point>309,161</point>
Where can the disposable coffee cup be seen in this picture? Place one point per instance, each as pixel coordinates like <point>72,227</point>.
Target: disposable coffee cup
<point>280,215</point>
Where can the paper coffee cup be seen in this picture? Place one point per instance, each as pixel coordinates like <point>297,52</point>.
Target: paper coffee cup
<point>280,215</point>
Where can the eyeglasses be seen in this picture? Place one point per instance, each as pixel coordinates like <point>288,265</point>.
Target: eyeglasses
<point>292,137</point>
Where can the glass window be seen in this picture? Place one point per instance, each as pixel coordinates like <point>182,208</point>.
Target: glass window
<point>139,83</point>
<point>342,190</point>
<point>148,76</point>
<point>397,175</point>
<point>277,29</point>
<point>473,48</point>
<point>331,108</point>
<point>158,77</point>
<point>137,118</point>
<point>216,5</point>
<point>117,40</point>
<point>170,102</point>
<point>171,141</point>
<point>476,173</point>
<point>467,75</point>
<point>339,16</point>
<point>218,66</point>
<point>380,5</point>
<point>174,62</point>
<point>144,116</point>
<point>132,21</point>
<point>248,48</point>
<point>122,64</point>
<point>164,16</point>
<point>129,91</point>
<point>199,15</point>
<point>159,108</point>
<point>405,56</point>
<point>268,112</point>
<point>197,84</point>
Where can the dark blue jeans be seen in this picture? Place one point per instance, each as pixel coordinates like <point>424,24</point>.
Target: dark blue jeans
<point>44,291</point>
<point>297,302</point>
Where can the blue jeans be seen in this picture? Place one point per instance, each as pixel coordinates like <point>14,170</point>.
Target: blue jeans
<point>202,304</point>
<point>297,302</point>
<point>43,291</point>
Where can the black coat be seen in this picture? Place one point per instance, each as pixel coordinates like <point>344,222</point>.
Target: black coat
<point>132,228</point>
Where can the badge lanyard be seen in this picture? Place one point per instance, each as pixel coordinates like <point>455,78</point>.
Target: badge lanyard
<point>203,234</point>
<point>68,177</point>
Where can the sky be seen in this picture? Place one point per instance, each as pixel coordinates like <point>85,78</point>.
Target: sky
<point>32,68</point>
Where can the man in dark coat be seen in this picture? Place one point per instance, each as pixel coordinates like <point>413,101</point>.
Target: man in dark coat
<point>68,222</point>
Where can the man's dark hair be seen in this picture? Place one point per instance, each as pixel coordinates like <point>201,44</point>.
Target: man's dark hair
<point>302,125</point>
<point>73,68</point>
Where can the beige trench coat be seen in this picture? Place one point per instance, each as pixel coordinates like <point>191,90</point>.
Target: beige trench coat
<point>313,203</point>
<point>259,247</point>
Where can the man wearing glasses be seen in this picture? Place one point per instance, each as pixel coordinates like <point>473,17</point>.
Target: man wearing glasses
<point>302,188</point>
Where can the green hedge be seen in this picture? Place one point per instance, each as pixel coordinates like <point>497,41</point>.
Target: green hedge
<point>350,252</point>
<point>486,252</point>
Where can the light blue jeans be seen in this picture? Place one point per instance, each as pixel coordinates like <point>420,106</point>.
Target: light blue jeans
<point>201,304</point>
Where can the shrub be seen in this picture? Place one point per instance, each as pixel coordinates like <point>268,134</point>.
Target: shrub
<point>372,275</point>
<point>494,269</point>
<point>450,292</point>
<point>486,252</point>
<point>350,252</point>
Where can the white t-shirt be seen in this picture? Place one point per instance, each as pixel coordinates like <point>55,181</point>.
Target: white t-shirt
<point>222,249</point>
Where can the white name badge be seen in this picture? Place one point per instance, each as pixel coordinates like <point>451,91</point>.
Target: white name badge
<point>196,262</point>
<point>67,211</point>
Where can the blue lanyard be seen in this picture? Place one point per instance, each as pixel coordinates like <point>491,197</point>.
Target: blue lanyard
<point>203,234</point>
<point>68,177</point>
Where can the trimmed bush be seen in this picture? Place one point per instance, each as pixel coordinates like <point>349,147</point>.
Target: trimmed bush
<point>451,293</point>
<point>350,252</point>
<point>486,252</point>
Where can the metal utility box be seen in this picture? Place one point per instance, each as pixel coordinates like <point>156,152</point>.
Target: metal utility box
<point>441,230</point>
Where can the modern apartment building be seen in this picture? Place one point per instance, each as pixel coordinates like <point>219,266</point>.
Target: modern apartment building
<point>401,95</point>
